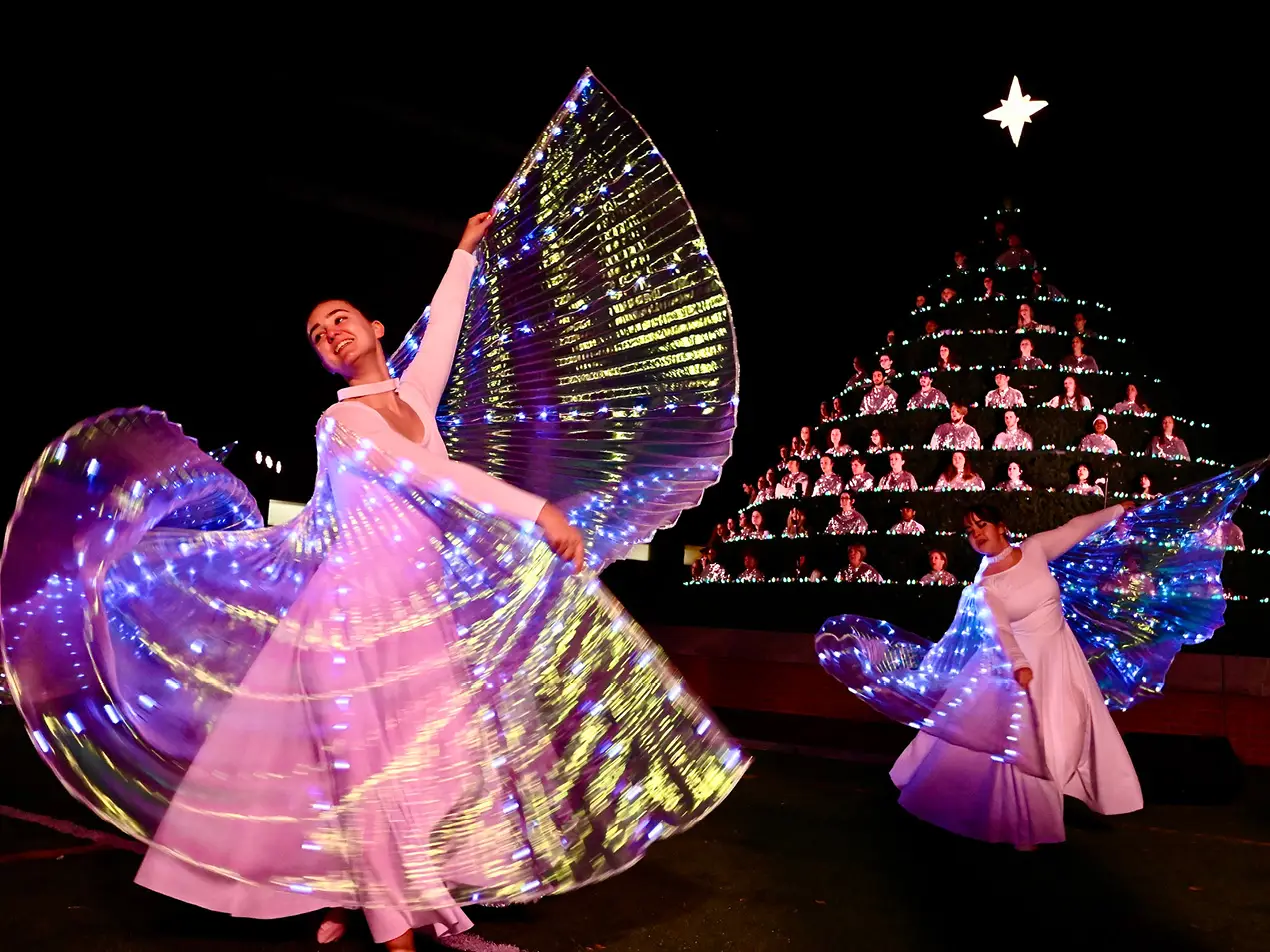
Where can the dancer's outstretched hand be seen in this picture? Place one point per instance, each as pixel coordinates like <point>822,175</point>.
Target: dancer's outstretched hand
<point>565,540</point>
<point>476,228</point>
<point>1023,676</point>
<point>1128,505</point>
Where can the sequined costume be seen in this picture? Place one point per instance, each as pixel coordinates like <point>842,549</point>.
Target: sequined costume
<point>714,572</point>
<point>908,527</point>
<point>959,481</point>
<point>861,483</point>
<point>927,399</point>
<point>1082,365</point>
<point>1070,403</point>
<point>1013,486</point>
<point>793,484</point>
<point>993,761</point>
<point>863,572</point>
<point>902,481</point>
<point>1082,489</point>
<point>1170,447</point>
<point>1014,439</point>
<point>1028,363</point>
<point>1098,443</point>
<point>879,399</point>
<point>955,436</point>
<point>847,523</point>
<point>830,484</point>
<point>400,700</point>
<point>942,577</point>
<point>1004,399</point>
<point>1129,406</point>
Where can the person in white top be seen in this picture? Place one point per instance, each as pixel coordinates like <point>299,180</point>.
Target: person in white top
<point>960,475</point>
<point>927,397</point>
<point>1098,441</point>
<point>1004,396</point>
<point>898,478</point>
<point>938,574</point>
<point>1082,486</point>
<point>1015,481</point>
<point>1131,403</point>
<point>1072,397</point>
<point>858,570</point>
<point>795,482</point>
<point>880,399</point>
<point>956,434</point>
<point>1012,438</point>
<point>847,520</point>
<point>836,446</point>
<point>829,483</point>
<point>860,480</point>
<point>1168,445</point>
<point>1027,325</point>
<point>976,794</point>
<point>908,524</point>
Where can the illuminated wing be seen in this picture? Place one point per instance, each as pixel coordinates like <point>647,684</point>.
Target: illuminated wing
<point>597,364</point>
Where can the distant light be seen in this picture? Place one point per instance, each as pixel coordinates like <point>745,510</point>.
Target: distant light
<point>1016,111</point>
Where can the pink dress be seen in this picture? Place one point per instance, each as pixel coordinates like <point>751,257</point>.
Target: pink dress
<point>968,791</point>
<point>247,741</point>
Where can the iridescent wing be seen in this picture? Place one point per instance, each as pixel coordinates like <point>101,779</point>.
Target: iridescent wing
<point>229,692</point>
<point>597,364</point>
<point>1136,592</point>
<point>960,689</point>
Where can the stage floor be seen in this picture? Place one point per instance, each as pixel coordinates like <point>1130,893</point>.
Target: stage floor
<point>810,853</point>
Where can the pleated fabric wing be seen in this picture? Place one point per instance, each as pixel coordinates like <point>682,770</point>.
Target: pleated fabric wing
<point>960,688</point>
<point>1136,592</point>
<point>598,362</point>
<point>391,695</point>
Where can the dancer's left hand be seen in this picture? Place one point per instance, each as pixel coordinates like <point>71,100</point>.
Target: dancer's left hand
<point>476,228</point>
<point>1023,676</point>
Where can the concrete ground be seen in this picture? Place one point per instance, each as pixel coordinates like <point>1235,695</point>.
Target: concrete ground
<point>810,853</point>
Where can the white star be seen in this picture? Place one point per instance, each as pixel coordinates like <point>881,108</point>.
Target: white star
<point>1015,111</point>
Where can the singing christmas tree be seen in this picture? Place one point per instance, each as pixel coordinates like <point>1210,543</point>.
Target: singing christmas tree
<point>997,387</point>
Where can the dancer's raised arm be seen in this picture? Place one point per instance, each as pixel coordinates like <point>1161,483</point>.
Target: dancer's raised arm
<point>430,368</point>
<point>1055,542</point>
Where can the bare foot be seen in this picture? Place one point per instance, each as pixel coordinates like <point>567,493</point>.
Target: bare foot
<point>333,925</point>
<point>403,943</point>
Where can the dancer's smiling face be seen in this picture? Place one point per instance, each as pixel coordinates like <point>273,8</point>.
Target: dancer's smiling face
<point>342,335</point>
<point>985,537</point>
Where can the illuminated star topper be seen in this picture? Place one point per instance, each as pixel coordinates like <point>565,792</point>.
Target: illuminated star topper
<point>1015,111</point>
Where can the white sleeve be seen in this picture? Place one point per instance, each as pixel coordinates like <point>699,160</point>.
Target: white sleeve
<point>1055,542</point>
<point>1005,634</point>
<point>430,368</point>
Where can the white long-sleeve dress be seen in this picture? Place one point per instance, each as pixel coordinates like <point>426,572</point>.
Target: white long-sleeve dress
<point>966,791</point>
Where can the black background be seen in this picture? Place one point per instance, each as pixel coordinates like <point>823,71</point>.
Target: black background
<point>174,221</point>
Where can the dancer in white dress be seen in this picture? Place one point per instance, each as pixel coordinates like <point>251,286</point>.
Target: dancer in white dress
<point>970,792</point>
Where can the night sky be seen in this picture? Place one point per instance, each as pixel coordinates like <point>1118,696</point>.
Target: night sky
<point>177,228</point>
